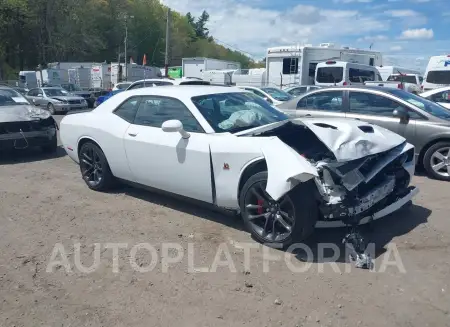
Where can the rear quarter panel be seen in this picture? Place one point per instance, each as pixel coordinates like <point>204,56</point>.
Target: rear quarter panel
<point>104,128</point>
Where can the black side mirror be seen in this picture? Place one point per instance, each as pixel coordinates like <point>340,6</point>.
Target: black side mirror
<point>401,113</point>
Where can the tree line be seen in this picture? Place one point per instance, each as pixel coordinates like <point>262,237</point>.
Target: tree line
<point>37,32</point>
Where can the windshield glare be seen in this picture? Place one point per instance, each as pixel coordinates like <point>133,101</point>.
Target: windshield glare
<point>428,106</point>
<point>235,112</point>
<point>277,94</point>
<point>55,92</point>
<point>11,98</point>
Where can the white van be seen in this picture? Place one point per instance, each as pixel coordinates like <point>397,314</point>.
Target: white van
<point>330,73</point>
<point>438,73</point>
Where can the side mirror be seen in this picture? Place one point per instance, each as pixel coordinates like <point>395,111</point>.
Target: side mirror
<point>171,126</point>
<point>401,113</point>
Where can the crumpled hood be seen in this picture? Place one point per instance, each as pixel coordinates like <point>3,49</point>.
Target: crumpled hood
<point>351,139</point>
<point>348,139</point>
<point>22,113</point>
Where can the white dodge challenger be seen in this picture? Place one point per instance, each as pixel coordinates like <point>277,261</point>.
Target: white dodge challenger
<point>230,148</point>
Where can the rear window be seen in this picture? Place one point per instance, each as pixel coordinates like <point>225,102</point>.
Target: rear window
<point>400,78</point>
<point>439,77</point>
<point>330,74</point>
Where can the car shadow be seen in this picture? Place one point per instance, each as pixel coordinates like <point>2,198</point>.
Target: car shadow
<point>188,206</point>
<point>326,243</point>
<point>34,154</point>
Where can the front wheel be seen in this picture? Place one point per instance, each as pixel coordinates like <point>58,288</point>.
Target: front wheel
<point>95,168</point>
<point>437,161</point>
<point>51,108</point>
<point>286,221</point>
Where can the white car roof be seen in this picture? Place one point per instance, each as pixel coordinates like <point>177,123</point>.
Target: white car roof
<point>183,91</point>
<point>434,91</point>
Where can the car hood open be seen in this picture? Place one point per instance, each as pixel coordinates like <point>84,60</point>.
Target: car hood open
<point>22,113</point>
<point>347,139</point>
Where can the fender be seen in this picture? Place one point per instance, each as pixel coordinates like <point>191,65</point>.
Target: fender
<point>286,168</point>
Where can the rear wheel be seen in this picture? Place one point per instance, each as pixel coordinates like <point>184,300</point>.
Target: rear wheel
<point>437,161</point>
<point>290,219</point>
<point>95,168</point>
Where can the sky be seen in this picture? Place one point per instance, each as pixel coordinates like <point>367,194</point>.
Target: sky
<point>407,32</point>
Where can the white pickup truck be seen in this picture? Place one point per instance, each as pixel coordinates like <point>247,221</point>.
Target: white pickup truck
<point>408,82</point>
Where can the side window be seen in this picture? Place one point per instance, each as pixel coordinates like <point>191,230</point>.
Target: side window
<point>326,101</point>
<point>298,91</point>
<point>128,109</point>
<point>290,66</point>
<point>154,111</point>
<point>443,96</point>
<point>420,79</point>
<point>39,91</point>
<point>376,105</point>
<point>32,93</point>
<point>360,75</point>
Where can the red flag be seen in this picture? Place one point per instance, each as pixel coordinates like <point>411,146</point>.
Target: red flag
<point>144,60</point>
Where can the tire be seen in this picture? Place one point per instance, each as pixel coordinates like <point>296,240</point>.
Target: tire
<point>303,215</point>
<point>431,159</point>
<point>52,147</point>
<point>94,168</point>
<point>51,108</point>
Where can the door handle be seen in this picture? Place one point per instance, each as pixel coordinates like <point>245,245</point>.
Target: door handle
<point>133,134</point>
<point>308,115</point>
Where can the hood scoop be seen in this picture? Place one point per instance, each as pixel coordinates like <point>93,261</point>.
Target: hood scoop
<point>366,129</point>
<point>323,125</point>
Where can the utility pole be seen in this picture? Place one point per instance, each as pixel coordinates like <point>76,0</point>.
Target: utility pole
<point>166,62</point>
<point>126,47</point>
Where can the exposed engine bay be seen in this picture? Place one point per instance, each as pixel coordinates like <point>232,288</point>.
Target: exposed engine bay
<point>354,189</point>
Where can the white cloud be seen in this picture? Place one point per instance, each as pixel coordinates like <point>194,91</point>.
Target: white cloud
<point>417,34</point>
<point>402,13</point>
<point>373,38</point>
<point>253,30</point>
<point>396,48</point>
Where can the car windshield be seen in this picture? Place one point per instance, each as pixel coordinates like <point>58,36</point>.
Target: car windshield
<point>426,105</point>
<point>55,92</point>
<point>71,87</point>
<point>235,112</point>
<point>277,94</point>
<point>438,77</point>
<point>11,98</point>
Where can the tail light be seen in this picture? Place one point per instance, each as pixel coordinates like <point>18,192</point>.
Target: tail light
<point>421,87</point>
<point>345,83</point>
<point>400,86</point>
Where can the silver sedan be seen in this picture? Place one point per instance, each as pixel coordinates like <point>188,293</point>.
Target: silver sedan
<point>56,99</point>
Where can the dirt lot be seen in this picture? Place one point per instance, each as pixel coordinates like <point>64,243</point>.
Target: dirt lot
<point>43,201</point>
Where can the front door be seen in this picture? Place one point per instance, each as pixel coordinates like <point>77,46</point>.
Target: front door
<point>378,110</point>
<point>164,160</point>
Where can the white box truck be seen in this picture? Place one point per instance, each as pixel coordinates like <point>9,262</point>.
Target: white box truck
<point>296,65</point>
<point>194,67</point>
<point>52,76</point>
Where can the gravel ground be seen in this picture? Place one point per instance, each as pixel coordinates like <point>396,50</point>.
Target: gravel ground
<point>44,202</point>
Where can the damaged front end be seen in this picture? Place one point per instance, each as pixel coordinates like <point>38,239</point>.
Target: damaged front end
<point>25,126</point>
<point>353,190</point>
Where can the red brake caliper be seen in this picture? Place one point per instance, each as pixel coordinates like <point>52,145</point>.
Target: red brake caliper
<point>260,207</point>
